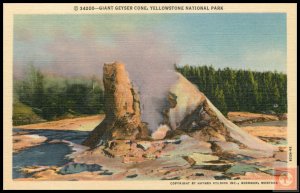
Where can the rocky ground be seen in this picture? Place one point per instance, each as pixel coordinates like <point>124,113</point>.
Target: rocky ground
<point>183,158</point>
<point>78,124</point>
<point>23,141</point>
<point>246,117</point>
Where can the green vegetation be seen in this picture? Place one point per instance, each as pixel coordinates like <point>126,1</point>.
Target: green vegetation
<point>52,97</point>
<point>23,114</point>
<point>40,97</point>
<point>240,90</point>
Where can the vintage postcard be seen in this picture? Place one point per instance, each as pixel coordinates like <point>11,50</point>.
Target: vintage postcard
<point>150,96</point>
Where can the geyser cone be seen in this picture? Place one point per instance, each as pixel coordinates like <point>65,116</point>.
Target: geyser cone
<point>189,112</point>
<point>122,109</point>
<point>196,116</point>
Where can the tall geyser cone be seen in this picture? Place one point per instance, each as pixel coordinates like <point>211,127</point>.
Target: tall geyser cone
<point>122,108</point>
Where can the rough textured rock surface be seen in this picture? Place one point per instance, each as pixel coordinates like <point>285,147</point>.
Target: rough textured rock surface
<point>193,142</point>
<point>189,112</point>
<point>195,115</point>
<point>122,109</point>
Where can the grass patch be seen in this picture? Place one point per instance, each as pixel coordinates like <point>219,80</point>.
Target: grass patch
<point>23,114</point>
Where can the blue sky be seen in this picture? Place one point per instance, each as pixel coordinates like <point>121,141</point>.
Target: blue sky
<point>240,41</point>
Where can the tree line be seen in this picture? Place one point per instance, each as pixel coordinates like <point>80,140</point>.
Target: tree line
<point>240,90</point>
<point>51,97</point>
<point>229,90</point>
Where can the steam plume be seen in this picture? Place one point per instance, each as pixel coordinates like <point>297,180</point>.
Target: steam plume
<point>149,59</point>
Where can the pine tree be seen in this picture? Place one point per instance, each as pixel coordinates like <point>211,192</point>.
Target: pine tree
<point>220,100</point>
<point>243,90</point>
